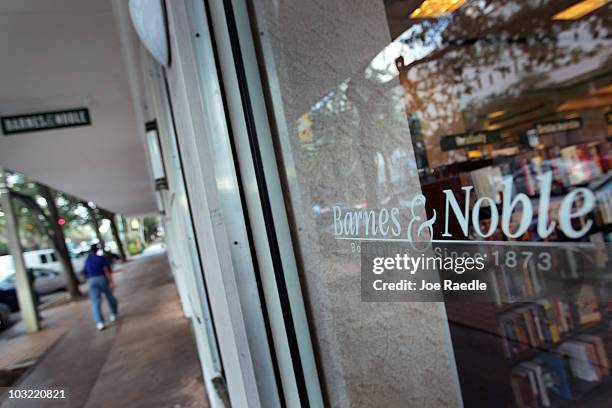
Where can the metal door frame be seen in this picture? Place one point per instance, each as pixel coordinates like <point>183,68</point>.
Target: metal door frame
<point>267,212</point>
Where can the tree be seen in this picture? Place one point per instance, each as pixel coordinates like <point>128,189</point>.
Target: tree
<point>55,232</point>
<point>39,225</point>
<point>116,236</point>
<point>151,227</point>
<point>95,222</point>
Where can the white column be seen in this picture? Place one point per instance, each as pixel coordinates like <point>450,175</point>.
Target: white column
<point>337,130</point>
<point>24,291</point>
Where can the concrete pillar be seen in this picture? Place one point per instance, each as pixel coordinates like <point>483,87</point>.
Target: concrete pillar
<point>320,54</point>
<point>25,296</point>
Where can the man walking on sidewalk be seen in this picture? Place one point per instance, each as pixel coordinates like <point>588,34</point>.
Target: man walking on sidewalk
<point>99,281</point>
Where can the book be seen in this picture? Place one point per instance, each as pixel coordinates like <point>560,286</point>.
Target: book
<point>586,306</point>
<point>602,355</point>
<point>537,324</point>
<point>555,375</point>
<point>525,388</point>
<point>538,374</point>
<point>550,320</point>
<point>580,362</point>
<point>516,390</point>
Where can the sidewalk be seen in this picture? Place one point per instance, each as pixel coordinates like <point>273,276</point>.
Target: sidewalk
<point>147,359</point>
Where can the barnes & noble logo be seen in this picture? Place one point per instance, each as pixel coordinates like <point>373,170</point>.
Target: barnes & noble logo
<point>385,223</point>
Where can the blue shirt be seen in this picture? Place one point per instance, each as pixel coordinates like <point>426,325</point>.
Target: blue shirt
<point>94,266</point>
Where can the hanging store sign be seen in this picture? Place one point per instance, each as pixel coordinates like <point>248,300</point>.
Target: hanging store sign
<point>532,138</point>
<point>472,139</point>
<point>558,126</point>
<point>161,184</point>
<point>33,122</point>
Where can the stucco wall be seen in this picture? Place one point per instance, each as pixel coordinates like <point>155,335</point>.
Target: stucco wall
<point>343,139</point>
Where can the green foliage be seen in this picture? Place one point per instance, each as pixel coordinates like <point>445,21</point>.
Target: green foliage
<point>72,211</point>
<point>134,244</point>
<point>33,223</point>
<point>151,227</point>
<point>134,249</point>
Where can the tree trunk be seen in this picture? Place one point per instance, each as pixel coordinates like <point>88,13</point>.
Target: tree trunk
<point>116,237</point>
<point>93,218</point>
<point>56,232</point>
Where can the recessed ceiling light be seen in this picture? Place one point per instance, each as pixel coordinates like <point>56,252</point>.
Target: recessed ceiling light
<point>580,10</point>
<point>597,101</point>
<point>474,154</point>
<point>604,90</point>
<point>436,8</point>
<point>496,114</point>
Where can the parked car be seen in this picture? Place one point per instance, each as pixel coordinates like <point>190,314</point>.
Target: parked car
<point>5,316</point>
<point>45,281</point>
<point>48,281</point>
<point>8,296</point>
<point>79,249</point>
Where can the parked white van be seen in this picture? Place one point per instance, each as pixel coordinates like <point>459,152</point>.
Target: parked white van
<point>41,258</point>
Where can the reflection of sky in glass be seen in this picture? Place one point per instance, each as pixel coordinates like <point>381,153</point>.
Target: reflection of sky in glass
<point>472,60</point>
<point>327,100</point>
<point>422,39</point>
<point>382,67</point>
<point>578,37</point>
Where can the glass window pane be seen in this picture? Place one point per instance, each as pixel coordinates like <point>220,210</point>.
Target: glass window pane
<point>460,133</point>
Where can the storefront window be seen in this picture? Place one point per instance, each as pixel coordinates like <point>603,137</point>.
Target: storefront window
<point>489,123</point>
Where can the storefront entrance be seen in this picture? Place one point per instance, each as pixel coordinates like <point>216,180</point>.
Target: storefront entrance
<point>408,200</point>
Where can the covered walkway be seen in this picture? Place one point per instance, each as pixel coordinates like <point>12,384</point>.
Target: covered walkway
<point>147,359</point>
